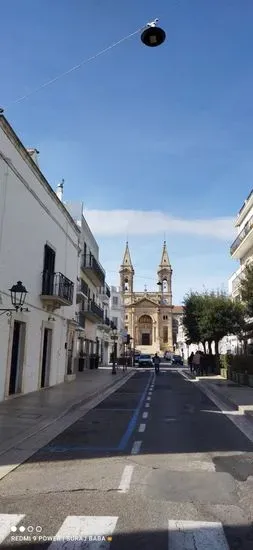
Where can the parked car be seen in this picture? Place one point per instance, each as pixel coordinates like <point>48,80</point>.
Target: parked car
<point>177,360</point>
<point>137,357</point>
<point>145,361</point>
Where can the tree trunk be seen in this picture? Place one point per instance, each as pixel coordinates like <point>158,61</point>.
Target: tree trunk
<point>216,343</point>
<point>209,347</point>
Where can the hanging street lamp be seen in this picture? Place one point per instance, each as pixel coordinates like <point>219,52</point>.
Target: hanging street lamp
<point>152,35</point>
<point>18,296</point>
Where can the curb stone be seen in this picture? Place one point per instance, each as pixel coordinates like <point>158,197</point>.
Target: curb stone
<point>219,393</point>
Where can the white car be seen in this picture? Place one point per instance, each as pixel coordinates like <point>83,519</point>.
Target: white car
<point>145,361</point>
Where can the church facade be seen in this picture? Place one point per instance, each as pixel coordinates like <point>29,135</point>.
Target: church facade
<point>150,317</point>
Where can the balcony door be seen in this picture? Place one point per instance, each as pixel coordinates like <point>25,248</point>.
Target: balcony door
<point>48,271</point>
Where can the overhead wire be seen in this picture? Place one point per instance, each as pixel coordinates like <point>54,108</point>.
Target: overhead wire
<point>75,67</point>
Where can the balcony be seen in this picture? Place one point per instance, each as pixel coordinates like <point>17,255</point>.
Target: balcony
<point>82,291</point>
<point>57,290</point>
<point>105,324</point>
<point>245,208</point>
<point>81,319</point>
<point>92,268</point>
<point>105,293</point>
<point>93,312</point>
<point>243,241</point>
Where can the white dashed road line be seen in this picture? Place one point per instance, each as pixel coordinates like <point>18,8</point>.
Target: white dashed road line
<point>136,447</point>
<point>145,415</point>
<point>142,427</point>
<point>126,479</point>
<point>8,523</point>
<point>147,405</point>
<point>97,532</point>
<point>81,527</point>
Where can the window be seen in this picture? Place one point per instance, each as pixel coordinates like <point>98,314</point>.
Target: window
<point>126,317</point>
<point>115,321</point>
<point>165,335</point>
<point>165,317</point>
<point>115,300</point>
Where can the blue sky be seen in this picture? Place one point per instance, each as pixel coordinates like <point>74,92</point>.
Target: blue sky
<point>152,140</point>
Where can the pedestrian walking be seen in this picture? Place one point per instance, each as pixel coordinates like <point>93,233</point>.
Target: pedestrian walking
<point>196,362</point>
<point>190,361</point>
<point>156,361</point>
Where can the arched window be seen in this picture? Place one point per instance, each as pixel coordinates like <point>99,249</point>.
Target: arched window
<point>165,285</point>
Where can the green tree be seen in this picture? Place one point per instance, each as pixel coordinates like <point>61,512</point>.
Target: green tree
<point>210,316</point>
<point>193,305</point>
<point>246,289</point>
<point>221,316</point>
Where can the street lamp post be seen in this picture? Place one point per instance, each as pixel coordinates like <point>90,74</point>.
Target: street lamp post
<point>18,296</point>
<point>114,338</point>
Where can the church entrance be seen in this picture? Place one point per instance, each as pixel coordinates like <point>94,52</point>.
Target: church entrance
<point>145,330</point>
<point>145,339</point>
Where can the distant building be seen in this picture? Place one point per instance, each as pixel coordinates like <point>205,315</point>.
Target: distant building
<point>117,316</point>
<point>39,243</point>
<point>150,317</point>
<point>93,296</point>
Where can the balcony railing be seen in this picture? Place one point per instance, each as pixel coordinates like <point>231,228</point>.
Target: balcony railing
<point>83,288</point>
<point>92,310</point>
<point>90,264</point>
<point>57,287</point>
<point>245,202</point>
<point>104,291</point>
<point>248,226</point>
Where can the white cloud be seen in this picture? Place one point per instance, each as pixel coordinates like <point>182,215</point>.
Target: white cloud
<point>139,222</point>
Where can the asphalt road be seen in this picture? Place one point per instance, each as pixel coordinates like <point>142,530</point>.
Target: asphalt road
<point>155,465</point>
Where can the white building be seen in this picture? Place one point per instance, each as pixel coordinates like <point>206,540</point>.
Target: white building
<point>93,296</point>
<point>242,248</point>
<point>242,251</point>
<point>39,243</point>
<point>117,316</point>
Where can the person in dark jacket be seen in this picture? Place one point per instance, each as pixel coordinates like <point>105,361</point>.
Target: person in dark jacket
<point>190,361</point>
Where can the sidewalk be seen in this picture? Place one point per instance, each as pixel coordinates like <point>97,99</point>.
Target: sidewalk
<point>237,397</point>
<point>24,416</point>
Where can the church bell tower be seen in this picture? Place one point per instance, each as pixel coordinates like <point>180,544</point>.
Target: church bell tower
<point>126,273</point>
<point>165,275</point>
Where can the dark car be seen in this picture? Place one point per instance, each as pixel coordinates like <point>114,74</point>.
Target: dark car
<point>137,357</point>
<point>145,361</point>
<point>177,360</point>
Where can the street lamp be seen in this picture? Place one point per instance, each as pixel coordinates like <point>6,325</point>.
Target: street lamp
<point>114,338</point>
<point>153,36</point>
<point>18,296</point>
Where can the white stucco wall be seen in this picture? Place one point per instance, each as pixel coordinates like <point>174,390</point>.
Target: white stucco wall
<point>30,217</point>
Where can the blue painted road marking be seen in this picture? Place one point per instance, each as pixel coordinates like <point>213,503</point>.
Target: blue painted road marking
<point>132,424</point>
<point>124,440</point>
